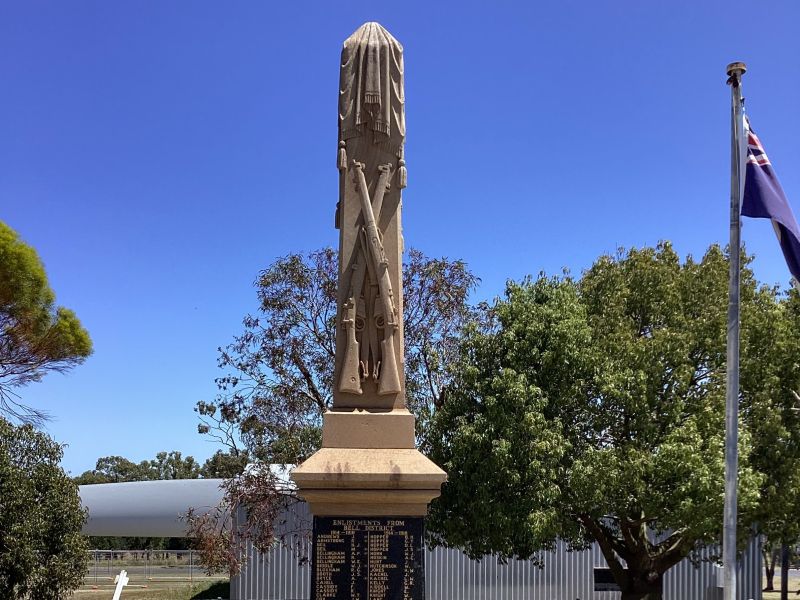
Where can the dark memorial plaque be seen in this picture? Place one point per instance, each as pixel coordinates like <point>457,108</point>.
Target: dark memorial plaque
<point>367,558</point>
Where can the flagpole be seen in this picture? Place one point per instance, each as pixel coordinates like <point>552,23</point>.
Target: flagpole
<point>735,72</point>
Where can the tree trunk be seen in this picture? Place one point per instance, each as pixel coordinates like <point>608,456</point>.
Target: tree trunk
<point>642,587</point>
<point>770,558</point>
<point>653,595</point>
<point>784,572</point>
<point>770,573</point>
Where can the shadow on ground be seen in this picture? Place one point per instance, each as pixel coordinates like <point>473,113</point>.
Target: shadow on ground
<point>221,589</point>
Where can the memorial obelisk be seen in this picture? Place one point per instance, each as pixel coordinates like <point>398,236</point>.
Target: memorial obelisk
<point>368,486</point>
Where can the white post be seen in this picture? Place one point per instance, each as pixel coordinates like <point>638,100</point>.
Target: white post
<point>735,72</point>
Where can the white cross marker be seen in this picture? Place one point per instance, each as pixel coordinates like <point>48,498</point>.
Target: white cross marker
<point>121,580</point>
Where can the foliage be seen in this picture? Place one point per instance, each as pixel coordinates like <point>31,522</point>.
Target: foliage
<point>116,469</point>
<point>36,336</point>
<point>224,465</point>
<point>221,536</point>
<point>279,370</point>
<point>771,408</point>
<point>174,466</point>
<point>593,410</point>
<point>42,552</point>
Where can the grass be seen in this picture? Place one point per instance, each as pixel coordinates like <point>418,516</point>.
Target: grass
<point>776,595</point>
<point>794,585</point>
<point>206,590</point>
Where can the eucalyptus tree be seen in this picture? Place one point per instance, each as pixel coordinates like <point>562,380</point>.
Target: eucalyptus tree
<point>277,374</point>
<point>277,381</point>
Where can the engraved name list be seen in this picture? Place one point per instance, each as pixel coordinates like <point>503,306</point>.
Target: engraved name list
<point>359,558</point>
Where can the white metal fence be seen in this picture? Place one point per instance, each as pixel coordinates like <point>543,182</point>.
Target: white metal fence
<point>146,567</point>
<point>451,575</point>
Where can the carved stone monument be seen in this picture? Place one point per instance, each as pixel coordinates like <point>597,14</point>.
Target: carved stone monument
<point>368,486</point>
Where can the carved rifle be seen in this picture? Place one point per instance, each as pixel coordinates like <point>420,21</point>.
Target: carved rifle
<point>350,378</point>
<point>353,368</point>
<point>356,356</point>
<point>387,371</point>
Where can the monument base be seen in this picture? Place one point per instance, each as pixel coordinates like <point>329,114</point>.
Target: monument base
<point>378,473</point>
<point>368,428</point>
<point>368,488</point>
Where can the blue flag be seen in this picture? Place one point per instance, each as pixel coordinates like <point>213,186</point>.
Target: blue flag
<point>764,198</point>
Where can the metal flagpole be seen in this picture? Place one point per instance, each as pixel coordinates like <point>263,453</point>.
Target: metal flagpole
<point>735,72</point>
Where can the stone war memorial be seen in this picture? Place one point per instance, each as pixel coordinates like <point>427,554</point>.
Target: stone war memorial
<point>368,487</point>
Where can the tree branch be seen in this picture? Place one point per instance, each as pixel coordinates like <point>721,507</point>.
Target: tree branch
<point>309,379</point>
<point>606,546</point>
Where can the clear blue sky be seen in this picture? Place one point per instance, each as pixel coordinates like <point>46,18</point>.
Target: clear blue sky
<point>158,154</point>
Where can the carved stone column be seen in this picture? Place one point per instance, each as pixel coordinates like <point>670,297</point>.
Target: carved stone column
<point>368,465</point>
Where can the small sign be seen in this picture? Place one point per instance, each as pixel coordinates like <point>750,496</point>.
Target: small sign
<point>604,580</point>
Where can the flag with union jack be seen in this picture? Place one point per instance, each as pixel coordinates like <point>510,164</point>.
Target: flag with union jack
<point>764,198</point>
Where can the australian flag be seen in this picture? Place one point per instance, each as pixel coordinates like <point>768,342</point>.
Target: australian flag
<point>764,198</point>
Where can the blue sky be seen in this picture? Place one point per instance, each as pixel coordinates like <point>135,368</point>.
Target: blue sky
<point>158,154</point>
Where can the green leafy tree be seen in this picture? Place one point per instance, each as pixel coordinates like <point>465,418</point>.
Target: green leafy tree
<point>592,410</point>
<point>114,469</point>
<point>224,465</point>
<point>42,552</point>
<point>36,336</point>
<point>173,465</point>
<point>117,469</point>
<point>771,408</point>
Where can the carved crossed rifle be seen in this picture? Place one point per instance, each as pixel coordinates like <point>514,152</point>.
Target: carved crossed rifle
<point>372,259</point>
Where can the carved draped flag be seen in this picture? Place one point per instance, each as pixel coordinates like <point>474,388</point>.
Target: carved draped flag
<point>764,198</point>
